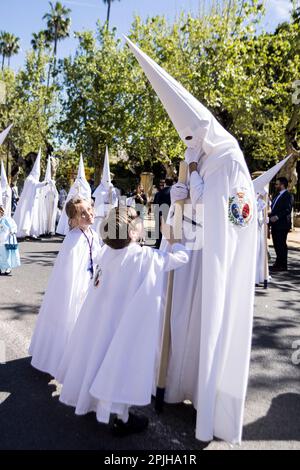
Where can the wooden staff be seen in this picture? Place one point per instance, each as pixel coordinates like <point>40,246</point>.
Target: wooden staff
<point>266,262</point>
<point>166,341</point>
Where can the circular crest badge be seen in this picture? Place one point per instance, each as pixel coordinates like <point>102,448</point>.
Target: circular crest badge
<point>240,208</point>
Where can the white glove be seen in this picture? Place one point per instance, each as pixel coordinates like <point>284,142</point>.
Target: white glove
<point>179,191</point>
<point>192,155</point>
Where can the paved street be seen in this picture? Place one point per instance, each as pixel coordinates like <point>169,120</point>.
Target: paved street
<point>32,418</point>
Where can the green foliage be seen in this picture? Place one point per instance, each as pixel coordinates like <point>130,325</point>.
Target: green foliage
<point>27,99</point>
<point>101,96</point>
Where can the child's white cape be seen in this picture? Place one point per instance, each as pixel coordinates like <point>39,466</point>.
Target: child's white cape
<point>66,291</point>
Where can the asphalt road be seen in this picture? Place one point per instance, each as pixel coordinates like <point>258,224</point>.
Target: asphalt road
<point>32,418</point>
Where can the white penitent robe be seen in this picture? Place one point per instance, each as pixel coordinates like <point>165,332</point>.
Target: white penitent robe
<point>80,188</point>
<point>222,294</point>
<point>261,242</point>
<point>27,213</point>
<point>105,199</point>
<point>6,191</point>
<point>210,335</point>
<point>66,291</point>
<point>48,208</point>
<point>109,361</point>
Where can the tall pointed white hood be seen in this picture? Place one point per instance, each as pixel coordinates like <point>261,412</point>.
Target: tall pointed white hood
<point>4,133</point>
<point>48,170</point>
<point>106,179</point>
<point>4,180</point>
<point>81,179</point>
<point>81,172</point>
<point>36,170</point>
<point>194,123</point>
<point>263,180</point>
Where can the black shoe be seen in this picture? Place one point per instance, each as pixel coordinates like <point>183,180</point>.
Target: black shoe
<point>276,269</point>
<point>135,424</point>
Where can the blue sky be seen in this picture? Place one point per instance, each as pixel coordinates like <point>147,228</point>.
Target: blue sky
<point>22,17</point>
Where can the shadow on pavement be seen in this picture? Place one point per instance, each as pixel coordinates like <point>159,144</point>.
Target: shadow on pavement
<point>282,422</point>
<point>31,418</point>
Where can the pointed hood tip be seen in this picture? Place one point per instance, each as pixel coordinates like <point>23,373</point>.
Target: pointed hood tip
<point>263,180</point>
<point>106,178</point>
<point>4,133</point>
<point>81,171</point>
<point>192,120</point>
<point>129,42</point>
<point>3,178</point>
<point>36,169</point>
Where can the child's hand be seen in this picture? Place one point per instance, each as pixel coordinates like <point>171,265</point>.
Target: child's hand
<point>167,232</point>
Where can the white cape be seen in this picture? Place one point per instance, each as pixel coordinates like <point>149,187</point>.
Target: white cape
<point>261,243</point>
<point>6,191</point>
<point>105,200</point>
<point>48,203</point>
<point>27,213</point>
<point>48,208</point>
<point>211,313</point>
<point>109,361</point>
<point>66,291</point>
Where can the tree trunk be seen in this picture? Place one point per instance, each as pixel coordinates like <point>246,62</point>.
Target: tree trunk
<point>108,12</point>
<point>49,73</point>
<point>3,58</point>
<point>97,164</point>
<point>55,51</point>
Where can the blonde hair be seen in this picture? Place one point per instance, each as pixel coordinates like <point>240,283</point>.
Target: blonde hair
<point>72,210</point>
<point>115,228</point>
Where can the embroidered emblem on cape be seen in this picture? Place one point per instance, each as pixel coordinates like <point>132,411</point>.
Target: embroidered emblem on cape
<point>240,208</point>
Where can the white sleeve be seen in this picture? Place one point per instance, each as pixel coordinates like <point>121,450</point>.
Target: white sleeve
<point>175,259</point>
<point>196,188</point>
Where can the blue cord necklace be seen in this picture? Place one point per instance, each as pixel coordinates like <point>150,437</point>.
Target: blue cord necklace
<point>91,264</point>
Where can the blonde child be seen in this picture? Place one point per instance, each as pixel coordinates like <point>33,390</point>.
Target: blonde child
<point>67,288</point>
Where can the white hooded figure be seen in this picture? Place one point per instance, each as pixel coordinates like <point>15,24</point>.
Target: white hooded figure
<point>27,213</point>
<point>4,134</point>
<point>261,252</point>
<point>212,307</point>
<point>6,191</point>
<point>80,188</point>
<point>105,195</point>
<point>4,186</point>
<point>48,206</point>
<point>261,188</point>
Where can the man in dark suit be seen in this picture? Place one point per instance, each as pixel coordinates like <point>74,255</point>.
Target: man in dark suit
<point>280,222</point>
<point>162,201</point>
